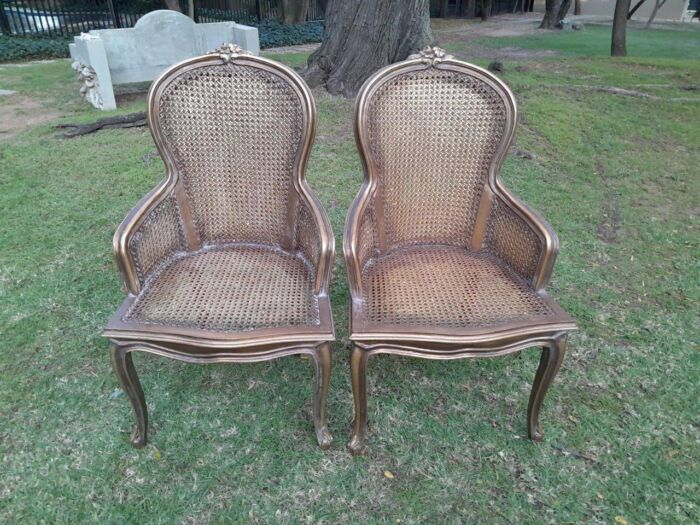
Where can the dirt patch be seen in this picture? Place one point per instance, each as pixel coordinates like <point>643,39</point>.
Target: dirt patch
<point>18,113</point>
<point>497,26</point>
<point>448,31</point>
<point>608,228</point>
<point>301,48</point>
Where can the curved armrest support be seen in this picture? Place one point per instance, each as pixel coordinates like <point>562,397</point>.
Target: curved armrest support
<point>151,233</point>
<point>314,238</point>
<point>360,242</point>
<point>521,238</point>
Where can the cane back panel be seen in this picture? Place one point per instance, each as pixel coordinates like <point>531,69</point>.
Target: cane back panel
<point>432,136</point>
<point>234,131</point>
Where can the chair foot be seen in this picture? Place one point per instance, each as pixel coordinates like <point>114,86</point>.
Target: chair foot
<point>129,380</point>
<point>322,362</point>
<point>357,446</point>
<point>552,357</point>
<point>358,373</point>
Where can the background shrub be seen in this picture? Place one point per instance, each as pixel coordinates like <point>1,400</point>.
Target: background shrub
<point>272,34</point>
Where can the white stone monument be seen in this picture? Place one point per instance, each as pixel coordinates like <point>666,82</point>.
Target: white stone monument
<point>106,57</point>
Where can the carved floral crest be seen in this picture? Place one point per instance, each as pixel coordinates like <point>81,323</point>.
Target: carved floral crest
<point>431,54</point>
<point>229,51</point>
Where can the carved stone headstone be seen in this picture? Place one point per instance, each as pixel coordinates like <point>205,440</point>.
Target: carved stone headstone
<point>106,57</point>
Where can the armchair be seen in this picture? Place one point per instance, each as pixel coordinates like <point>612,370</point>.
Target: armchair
<point>443,262</point>
<point>229,258</point>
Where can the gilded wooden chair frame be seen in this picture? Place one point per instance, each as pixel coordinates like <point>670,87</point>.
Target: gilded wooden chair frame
<point>198,346</point>
<point>446,343</point>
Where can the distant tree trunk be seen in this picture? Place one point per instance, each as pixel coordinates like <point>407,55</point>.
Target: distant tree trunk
<point>293,11</point>
<point>657,5</point>
<point>577,7</point>
<point>364,35</point>
<point>173,5</point>
<point>471,8</point>
<point>485,9</point>
<point>554,12</point>
<point>618,47</point>
<point>443,8</point>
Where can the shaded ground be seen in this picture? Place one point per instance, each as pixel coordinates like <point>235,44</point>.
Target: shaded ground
<point>615,175</point>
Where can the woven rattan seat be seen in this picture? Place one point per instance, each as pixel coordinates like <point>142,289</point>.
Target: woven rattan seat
<point>229,258</point>
<point>443,262</point>
<point>447,287</point>
<point>236,288</point>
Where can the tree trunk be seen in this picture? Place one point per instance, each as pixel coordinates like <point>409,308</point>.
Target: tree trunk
<point>657,5</point>
<point>173,5</point>
<point>577,7</point>
<point>618,47</point>
<point>554,12</point>
<point>471,8</point>
<point>443,8</point>
<point>293,11</point>
<point>485,9</point>
<point>364,35</point>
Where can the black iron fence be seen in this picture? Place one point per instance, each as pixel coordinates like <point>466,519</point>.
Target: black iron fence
<point>70,17</point>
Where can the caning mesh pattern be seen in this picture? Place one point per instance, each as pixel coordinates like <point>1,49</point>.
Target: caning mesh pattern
<point>448,287</point>
<point>234,131</point>
<point>511,238</point>
<point>307,236</point>
<point>157,238</point>
<point>235,288</point>
<point>432,136</point>
<point>367,246</point>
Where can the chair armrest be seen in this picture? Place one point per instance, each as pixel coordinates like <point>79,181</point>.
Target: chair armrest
<point>150,234</point>
<point>360,241</point>
<point>313,237</point>
<point>521,238</point>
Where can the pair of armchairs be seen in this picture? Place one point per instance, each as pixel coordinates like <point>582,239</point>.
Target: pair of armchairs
<point>229,258</point>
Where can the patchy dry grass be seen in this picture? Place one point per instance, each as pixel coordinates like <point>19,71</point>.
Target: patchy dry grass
<point>616,176</point>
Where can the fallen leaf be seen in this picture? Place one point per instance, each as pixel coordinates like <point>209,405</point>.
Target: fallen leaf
<point>388,474</point>
<point>620,520</point>
<point>673,453</point>
<point>156,455</point>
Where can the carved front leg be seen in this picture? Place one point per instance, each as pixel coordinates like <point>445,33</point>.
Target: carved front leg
<point>129,380</point>
<point>322,360</point>
<point>552,357</point>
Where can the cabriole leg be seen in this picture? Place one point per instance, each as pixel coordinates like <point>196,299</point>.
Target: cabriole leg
<point>322,360</point>
<point>124,368</point>
<point>358,372</point>
<point>552,357</point>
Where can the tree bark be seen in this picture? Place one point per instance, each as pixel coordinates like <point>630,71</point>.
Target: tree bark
<point>577,7</point>
<point>554,12</point>
<point>293,11</point>
<point>618,47</point>
<point>364,35</point>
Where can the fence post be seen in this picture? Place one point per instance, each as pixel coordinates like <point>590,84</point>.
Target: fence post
<point>4,22</point>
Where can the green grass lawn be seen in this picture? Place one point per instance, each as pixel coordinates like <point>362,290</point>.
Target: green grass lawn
<point>616,176</point>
